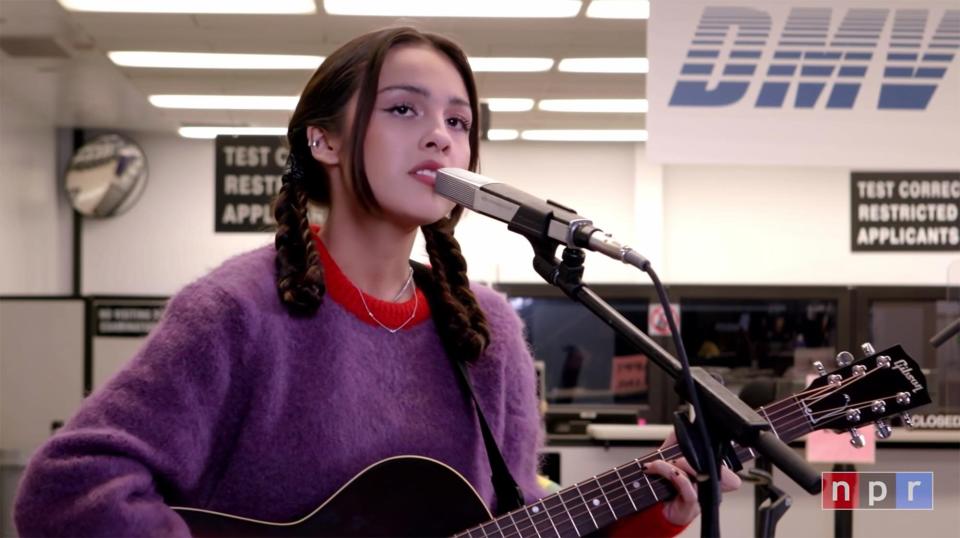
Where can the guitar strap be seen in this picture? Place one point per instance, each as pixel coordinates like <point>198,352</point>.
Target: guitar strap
<point>509,494</point>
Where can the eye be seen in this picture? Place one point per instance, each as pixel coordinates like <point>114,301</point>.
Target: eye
<point>459,122</point>
<point>403,110</point>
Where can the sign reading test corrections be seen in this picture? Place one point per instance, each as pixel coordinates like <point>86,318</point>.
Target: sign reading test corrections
<point>249,170</point>
<point>905,211</point>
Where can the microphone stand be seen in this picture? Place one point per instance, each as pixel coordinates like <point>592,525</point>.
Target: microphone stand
<point>945,334</point>
<point>727,418</point>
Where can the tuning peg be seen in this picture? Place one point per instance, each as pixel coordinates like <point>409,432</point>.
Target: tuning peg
<point>883,429</point>
<point>821,371</point>
<point>844,358</point>
<point>907,419</point>
<point>903,398</point>
<point>878,406</point>
<point>867,348</point>
<point>856,439</point>
<point>859,370</point>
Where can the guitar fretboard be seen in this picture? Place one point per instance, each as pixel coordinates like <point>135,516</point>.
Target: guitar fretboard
<point>597,502</point>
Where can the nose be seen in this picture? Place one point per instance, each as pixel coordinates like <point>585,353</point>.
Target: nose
<point>436,136</point>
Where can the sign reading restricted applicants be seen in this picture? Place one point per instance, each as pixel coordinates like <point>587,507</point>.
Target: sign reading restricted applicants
<point>905,211</point>
<point>249,171</point>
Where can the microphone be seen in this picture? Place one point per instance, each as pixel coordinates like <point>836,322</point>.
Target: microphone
<point>536,219</point>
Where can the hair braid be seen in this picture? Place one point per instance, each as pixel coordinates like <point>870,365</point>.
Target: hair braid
<point>299,271</point>
<point>464,331</point>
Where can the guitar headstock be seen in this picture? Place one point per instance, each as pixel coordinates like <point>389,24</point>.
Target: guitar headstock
<point>861,391</point>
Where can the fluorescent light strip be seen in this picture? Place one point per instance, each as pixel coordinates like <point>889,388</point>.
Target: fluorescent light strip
<point>622,106</point>
<point>244,7</point>
<point>619,9</point>
<point>604,65</point>
<point>541,9</point>
<point>502,134</point>
<point>510,64</point>
<point>226,102</point>
<point>212,60</point>
<point>505,104</point>
<point>212,132</point>
<point>585,135</point>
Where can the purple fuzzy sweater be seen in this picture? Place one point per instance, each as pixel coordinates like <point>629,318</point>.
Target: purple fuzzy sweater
<point>232,405</point>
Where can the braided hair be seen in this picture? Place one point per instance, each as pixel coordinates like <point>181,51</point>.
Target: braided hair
<point>355,69</point>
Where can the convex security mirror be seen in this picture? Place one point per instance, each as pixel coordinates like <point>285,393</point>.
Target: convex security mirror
<point>106,176</point>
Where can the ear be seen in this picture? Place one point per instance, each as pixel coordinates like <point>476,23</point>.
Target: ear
<point>323,147</point>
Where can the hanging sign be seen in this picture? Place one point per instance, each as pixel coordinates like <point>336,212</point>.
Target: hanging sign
<point>905,211</point>
<point>249,174</point>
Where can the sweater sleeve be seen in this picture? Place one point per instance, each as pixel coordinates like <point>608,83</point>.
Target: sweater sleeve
<point>523,431</point>
<point>650,523</point>
<point>147,437</point>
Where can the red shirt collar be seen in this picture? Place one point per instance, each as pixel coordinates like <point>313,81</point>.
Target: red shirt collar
<point>344,292</point>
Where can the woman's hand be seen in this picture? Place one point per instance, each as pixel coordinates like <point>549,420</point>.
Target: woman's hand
<point>683,508</point>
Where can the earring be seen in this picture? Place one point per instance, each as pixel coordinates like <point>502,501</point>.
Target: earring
<point>315,143</point>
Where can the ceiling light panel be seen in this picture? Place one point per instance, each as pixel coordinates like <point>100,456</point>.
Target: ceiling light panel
<point>510,65</point>
<point>212,60</point>
<point>619,9</point>
<point>585,135</point>
<point>604,65</point>
<point>502,134</point>
<point>257,7</point>
<point>226,102</point>
<point>212,132</point>
<point>621,106</point>
<point>504,104</point>
<point>540,9</point>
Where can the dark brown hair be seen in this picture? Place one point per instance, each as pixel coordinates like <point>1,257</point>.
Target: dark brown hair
<point>352,69</point>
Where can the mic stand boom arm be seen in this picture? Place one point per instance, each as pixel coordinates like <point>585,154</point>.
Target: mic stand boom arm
<point>728,417</point>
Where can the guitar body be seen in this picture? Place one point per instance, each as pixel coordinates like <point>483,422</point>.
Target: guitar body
<point>416,496</point>
<point>402,496</point>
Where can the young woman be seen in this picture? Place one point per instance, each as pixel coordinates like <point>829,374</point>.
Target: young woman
<point>276,378</point>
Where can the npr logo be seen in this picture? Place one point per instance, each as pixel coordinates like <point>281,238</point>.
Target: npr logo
<point>877,491</point>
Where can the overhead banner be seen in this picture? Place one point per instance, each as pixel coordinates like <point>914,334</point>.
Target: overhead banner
<point>905,211</point>
<point>851,83</point>
<point>249,171</point>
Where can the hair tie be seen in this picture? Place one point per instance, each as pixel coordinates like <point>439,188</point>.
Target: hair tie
<point>293,172</point>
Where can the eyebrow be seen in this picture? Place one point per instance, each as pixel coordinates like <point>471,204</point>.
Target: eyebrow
<point>422,91</point>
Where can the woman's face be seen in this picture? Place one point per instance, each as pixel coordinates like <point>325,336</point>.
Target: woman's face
<point>420,122</point>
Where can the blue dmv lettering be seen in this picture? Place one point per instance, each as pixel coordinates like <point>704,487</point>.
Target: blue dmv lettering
<point>805,55</point>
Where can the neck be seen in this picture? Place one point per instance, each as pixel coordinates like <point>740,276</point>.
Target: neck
<point>372,253</point>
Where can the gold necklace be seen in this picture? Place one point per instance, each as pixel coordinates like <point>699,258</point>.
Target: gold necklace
<point>416,304</point>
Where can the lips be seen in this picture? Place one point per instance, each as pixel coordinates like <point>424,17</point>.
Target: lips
<point>426,172</point>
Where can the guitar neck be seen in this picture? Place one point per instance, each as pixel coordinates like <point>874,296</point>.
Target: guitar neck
<point>622,491</point>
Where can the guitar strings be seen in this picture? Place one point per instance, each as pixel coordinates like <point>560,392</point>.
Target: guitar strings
<point>775,411</point>
<point>780,409</point>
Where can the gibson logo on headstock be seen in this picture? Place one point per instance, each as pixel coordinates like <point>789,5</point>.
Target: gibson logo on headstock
<point>905,369</point>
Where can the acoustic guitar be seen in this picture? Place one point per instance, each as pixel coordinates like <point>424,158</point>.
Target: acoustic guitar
<point>416,496</point>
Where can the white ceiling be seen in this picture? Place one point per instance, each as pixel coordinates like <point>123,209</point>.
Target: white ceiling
<point>87,90</point>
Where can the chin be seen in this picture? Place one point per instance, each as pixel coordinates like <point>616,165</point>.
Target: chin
<point>422,214</point>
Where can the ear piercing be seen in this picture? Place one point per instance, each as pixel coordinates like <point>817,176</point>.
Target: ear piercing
<point>315,143</point>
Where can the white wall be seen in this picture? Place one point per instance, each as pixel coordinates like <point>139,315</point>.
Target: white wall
<point>166,240</point>
<point>596,180</point>
<point>35,220</point>
<point>775,225</point>
<point>697,223</point>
